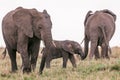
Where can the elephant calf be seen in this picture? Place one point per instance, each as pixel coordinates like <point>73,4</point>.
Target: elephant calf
<point>65,49</point>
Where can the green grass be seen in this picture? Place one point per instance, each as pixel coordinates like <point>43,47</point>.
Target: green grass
<point>101,69</point>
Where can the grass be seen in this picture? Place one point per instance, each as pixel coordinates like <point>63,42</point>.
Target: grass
<point>101,69</point>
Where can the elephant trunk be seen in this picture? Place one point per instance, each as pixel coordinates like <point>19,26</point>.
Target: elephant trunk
<point>81,54</point>
<point>48,40</point>
<point>42,64</point>
<point>86,48</point>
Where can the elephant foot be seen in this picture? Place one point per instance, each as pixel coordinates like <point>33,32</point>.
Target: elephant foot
<point>107,57</point>
<point>97,57</point>
<point>26,70</point>
<point>91,56</point>
<point>74,65</point>
<point>64,66</point>
<point>14,71</point>
<point>40,72</point>
<point>82,58</point>
<point>102,56</point>
<point>33,66</point>
<point>48,66</point>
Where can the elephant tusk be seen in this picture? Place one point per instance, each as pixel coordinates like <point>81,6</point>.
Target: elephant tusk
<point>43,43</point>
<point>41,50</point>
<point>54,43</point>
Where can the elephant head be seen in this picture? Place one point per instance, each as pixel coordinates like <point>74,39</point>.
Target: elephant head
<point>34,23</point>
<point>73,48</point>
<point>78,49</point>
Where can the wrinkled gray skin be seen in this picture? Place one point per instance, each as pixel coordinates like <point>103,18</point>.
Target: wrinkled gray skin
<point>99,29</point>
<point>65,49</point>
<point>23,29</point>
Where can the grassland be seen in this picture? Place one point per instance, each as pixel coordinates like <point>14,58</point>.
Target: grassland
<point>101,69</point>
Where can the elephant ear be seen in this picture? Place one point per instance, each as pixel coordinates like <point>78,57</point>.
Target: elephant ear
<point>45,11</point>
<point>23,20</point>
<point>109,12</point>
<point>87,15</point>
<point>34,13</point>
<point>68,48</point>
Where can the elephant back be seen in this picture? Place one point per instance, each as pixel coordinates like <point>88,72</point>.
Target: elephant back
<point>10,14</point>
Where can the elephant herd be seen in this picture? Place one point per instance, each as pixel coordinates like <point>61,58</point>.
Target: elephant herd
<point>23,29</point>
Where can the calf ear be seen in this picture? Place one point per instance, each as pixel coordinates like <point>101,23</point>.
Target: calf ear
<point>109,12</point>
<point>23,20</point>
<point>68,48</point>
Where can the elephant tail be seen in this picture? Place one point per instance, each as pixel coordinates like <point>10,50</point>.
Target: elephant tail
<point>86,44</point>
<point>106,42</point>
<point>82,41</point>
<point>4,53</point>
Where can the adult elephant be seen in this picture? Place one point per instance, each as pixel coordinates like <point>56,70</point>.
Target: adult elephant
<point>23,29</point>
<point>99,29</point>
<point>65,49</point>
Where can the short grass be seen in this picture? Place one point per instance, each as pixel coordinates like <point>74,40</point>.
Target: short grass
<point>101,69</point>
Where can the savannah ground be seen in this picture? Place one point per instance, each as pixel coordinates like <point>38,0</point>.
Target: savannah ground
<point>101,69</point>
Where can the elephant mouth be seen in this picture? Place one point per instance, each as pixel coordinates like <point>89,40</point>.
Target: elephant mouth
<point>54,43</point>
<point>81,54</point>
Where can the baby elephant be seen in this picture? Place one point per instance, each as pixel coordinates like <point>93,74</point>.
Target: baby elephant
<point>65,49</point>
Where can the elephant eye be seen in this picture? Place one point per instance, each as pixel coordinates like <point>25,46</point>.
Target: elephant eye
<point>46,16</point>
<point>40,17</point>
<point>39,27</point>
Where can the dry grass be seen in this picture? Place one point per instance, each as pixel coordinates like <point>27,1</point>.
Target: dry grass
<point>101,69</point>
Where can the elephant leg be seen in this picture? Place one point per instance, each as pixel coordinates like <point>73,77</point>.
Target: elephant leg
<point>48,60</point>
<point>72,59</point>
<point>25,59</point>
<point>104,52</point>
<point>65,59</point>
<point>29,57</point>
<point>12,54</point>
<point>97,56</point>
<point>93,47</point>
<point>34,53</point>
<point>25,62</point>
<point>23,47</point>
